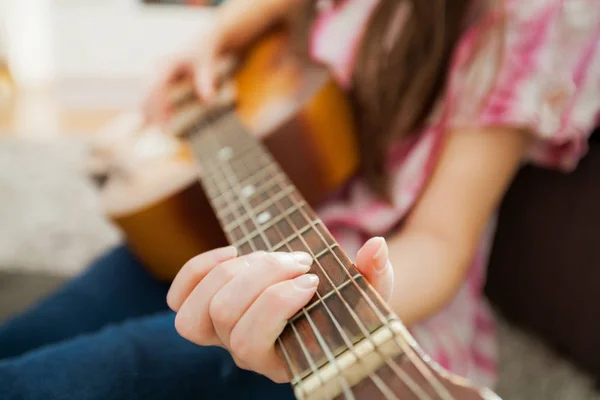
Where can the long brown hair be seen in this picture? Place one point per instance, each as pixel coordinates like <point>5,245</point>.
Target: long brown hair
<point>399,73</point>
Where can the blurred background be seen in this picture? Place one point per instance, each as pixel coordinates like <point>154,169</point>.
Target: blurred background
<point>76,64</point>
<point>72,68</point>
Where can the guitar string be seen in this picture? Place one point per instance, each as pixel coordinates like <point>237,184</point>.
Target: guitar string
<point>406,348</point>
<point>406,379</point>
<point>283,347</point>
<point>391,363</point>
<point>367,335</point>
<point>360,289</point>
<point>319,337</point>
<point>284,350</point>
<point>376,379</point>
<point>382,386</point>
<point>346,387</point>
<point>262,206</point>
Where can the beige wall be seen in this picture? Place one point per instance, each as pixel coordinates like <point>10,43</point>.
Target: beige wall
<point>101,52</point>
<point>121,38</point>
<point>115,39</point>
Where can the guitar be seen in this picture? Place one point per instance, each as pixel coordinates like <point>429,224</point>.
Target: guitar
<point>249,174</point>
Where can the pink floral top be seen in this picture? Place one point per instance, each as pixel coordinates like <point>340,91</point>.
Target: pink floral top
<point>533,64</point>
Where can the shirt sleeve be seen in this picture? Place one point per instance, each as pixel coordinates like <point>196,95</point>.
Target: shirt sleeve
<point>532,65</point>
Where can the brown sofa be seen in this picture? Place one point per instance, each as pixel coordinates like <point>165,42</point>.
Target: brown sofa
<point>545,265</point>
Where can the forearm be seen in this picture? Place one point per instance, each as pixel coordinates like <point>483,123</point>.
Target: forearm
<point>238,22</point>
<point>428,270</point>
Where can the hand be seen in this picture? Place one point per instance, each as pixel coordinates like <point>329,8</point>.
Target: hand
<point>198,67</point>
<point>243,303</point>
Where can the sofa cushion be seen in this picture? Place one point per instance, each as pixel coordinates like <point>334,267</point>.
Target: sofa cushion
<point>544,270</point>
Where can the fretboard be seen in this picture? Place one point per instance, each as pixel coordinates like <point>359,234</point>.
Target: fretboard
<point>346,336</point>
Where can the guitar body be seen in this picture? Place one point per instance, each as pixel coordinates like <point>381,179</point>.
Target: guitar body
<point>297,111</point>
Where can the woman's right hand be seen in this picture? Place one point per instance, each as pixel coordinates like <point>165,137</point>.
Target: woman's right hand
<point>237,23</point>
<point>198,67</point>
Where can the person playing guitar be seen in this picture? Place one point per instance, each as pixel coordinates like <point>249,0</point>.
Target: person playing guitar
<point>450,99</point>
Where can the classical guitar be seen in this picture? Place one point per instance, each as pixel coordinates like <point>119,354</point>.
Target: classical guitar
<point>249,175</point>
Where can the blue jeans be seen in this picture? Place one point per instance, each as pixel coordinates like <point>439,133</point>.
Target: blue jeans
<point>108,335</point>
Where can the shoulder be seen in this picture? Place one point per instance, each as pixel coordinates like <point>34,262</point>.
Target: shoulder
<point>532,65</point>
<point>343,24</point>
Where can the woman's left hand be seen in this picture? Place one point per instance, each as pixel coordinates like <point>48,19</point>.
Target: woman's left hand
<point>243,303</point>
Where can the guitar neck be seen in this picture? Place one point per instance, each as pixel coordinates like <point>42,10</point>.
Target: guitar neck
<point>345,343</point>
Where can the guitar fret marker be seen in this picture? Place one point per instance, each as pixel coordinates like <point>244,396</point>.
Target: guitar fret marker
<point>274,221</point>
<point>263,217</point>
<point>256,179</point>
<point>258,208</point>
<point>248,191</point>
<point>225,153</point>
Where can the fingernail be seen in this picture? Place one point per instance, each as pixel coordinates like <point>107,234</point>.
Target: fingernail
<point>303,258</point>
<point>283,258</point>
<point>306,282</point>
<point>380,256</point>
<point>387,265</point>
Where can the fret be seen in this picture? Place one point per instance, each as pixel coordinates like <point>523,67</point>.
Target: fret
<point>269,207</point>
<point>403,378</point>
<point>360,366</point>
<point>331,264</point>
<point>270,225</point>
<point>208,151</point>
<point>412,381</point>
<point>324,296</point>
<point>282,245</point>
<point>234,215</point>
<point>258,174</point>
<point>237,150</point>
<point>265,175</point>
<point>259,243</point>
<point>239,164</point>
<point>243,169</point>
<point>336,272</point>
<point>248,246</point>
<point>259,207</point>
<point>349,293</point>
<point>226,205</point>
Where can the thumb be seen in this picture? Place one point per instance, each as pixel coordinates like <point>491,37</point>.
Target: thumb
<point>373,263</point>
